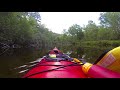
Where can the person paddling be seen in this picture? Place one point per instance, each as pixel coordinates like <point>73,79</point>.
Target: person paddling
<point>55,53</point>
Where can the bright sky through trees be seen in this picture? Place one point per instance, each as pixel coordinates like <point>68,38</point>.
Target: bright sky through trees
<point>57,21</point>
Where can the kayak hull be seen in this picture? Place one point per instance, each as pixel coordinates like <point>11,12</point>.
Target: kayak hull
<point>53,69</point>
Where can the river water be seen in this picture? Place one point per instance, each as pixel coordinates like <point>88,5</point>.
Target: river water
<point>14,58</point>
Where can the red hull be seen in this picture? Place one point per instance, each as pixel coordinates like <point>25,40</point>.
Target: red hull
<point>47,70</point>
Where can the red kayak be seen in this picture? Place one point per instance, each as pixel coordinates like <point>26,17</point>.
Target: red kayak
<point>59,65</point>
<point>56,67</point>
<point>62,69</point>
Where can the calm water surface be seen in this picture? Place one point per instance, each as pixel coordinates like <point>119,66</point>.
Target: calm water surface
<point>19,57</point>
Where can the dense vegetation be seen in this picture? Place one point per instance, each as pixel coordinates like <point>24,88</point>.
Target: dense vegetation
<point>107,33</point>
<point>24,29</point>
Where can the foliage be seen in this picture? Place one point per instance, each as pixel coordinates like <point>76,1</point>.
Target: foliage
<point>108,29</point>
<point>23,29</point>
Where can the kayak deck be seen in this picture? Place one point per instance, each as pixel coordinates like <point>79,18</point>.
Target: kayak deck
<point>53,69</point>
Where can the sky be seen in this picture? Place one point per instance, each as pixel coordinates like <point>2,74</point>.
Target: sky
<point>57,21</point>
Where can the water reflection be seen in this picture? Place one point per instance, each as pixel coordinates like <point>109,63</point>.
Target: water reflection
<point>17,57</point>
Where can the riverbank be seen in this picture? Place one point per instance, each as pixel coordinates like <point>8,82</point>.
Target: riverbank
<point>101,43</point>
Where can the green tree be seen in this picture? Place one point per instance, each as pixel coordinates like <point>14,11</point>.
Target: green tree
<point>91,31</point>
<point>75,31</point>
<point>111,20</point>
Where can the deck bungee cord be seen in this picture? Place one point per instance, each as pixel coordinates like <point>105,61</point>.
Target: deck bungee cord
<point>62,66</point>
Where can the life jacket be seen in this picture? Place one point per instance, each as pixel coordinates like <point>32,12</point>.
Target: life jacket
<point>52,54</point>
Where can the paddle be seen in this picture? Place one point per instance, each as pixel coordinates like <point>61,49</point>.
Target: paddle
<point>27,68</point>
<point>23,71</point>
<point>36,61</point>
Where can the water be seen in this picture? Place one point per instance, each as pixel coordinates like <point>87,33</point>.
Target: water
<point>14,58</point>
<point>17,57</point>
